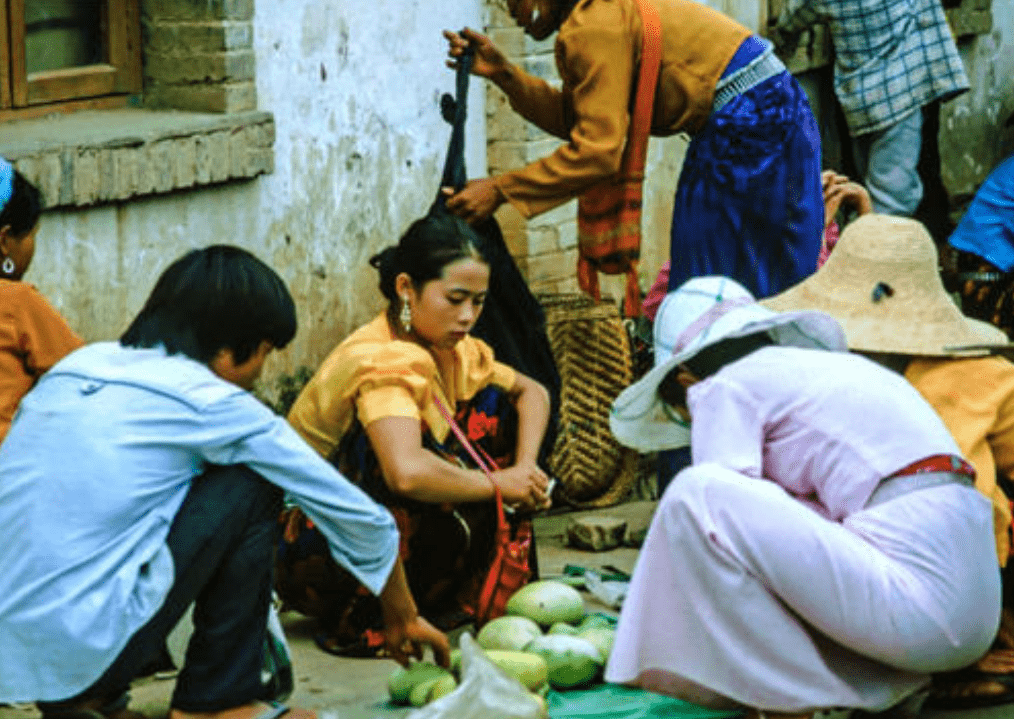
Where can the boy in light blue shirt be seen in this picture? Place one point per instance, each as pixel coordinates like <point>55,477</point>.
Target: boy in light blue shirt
<point>141,476</point>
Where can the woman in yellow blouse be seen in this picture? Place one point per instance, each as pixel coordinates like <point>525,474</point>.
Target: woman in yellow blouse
<point>373,410</point>
<point>33,335</point>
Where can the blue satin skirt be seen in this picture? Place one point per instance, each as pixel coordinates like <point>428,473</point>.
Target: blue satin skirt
<point>749,203</point>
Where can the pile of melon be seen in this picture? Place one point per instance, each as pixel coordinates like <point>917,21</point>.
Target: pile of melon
<point>545,641</point>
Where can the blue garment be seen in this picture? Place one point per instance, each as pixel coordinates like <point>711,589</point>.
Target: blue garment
<point>987,228</point>
<point>98,461</point>
<point>749,203</point>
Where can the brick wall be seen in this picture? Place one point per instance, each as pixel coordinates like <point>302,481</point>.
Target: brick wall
<point>199,55</point>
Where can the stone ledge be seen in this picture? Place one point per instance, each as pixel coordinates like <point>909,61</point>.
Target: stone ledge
<point>87,158</point>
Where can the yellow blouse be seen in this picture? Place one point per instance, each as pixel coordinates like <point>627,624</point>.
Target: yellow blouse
<point>371,375</point>
<point>975,399</point>
<point>33,338</point>
<point>598,51</point>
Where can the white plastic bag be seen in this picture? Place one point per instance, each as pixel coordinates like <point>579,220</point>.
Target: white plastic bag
<point>485,692</point>
<point>610,592</point>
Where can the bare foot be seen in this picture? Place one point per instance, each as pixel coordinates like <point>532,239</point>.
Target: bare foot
<point>247,711</point>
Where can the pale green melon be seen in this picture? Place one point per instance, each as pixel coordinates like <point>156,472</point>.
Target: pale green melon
<point>563,628</point>
<point>420,693</point>
<point>528,668</point>
<point>404,679</point>
<point>508,633</point>
<point>602,638</point>
<point>547,602</point>
<point>442,687</point>
<point>572,661</point>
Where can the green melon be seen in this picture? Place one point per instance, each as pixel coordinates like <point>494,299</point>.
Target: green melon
<point>571,661</point>
<point>547,602</point>
<point>602,638</point>
<point>508,633</point>
<point>442,687</point>
<point>404,679</point>
<point>420,693</point>
<point>562,628</point>
<point>529,669</point>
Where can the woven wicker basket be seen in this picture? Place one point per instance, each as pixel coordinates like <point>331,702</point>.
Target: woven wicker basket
<point>592,352</point>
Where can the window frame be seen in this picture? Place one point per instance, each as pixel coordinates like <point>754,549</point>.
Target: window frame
<point>109,84</point>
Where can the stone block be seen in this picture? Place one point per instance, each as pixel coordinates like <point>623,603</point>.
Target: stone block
<point>203,159</point>
<point>107,173</point>
<point>184,161</point>
<point>504,155</point>
<point>198,9</point>
<point>218,155</point>
<point>567,212</point>
<point>568,233</point>
<point>543,66</point>
<point>597,533</point>
<point>184,38</point>
<point>515,44</point>
<point>222,66</point>
<point>159,158</point>
<point>967,22</point>
<point>552,266</point>
<point>215,97</point>
<point>542,240</point>
<point>127,171</point>
<point>86,176</point>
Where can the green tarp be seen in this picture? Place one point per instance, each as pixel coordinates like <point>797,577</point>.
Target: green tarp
<point>611,701</point>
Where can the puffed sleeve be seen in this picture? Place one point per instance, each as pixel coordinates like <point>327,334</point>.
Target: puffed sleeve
<point>394,382</point>
<point>367,380</point>
<point>479,369</point>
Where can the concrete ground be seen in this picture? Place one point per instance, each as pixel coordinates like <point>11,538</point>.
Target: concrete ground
<point>357,688</point>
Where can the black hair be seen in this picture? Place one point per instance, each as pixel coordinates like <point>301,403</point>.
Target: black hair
<point>22,211</point>
<point>426,248</point>
<point>219,297</point>
<point>708,361</point>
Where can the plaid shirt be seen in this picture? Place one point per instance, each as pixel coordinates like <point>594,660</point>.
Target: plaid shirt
<point>891,56</point>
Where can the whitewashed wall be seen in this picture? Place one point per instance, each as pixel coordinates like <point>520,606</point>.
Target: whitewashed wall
<point>354,89</point>
<point>973,139</point>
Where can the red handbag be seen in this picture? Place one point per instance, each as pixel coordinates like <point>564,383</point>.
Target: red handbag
<point>609,212</point>
<point>509,570</point>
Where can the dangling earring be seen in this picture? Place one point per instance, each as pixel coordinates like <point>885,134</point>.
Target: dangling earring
<point>8,266</point>
<point>406,315</point>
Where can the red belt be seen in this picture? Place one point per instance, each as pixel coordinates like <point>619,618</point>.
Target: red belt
<point>938,463</point>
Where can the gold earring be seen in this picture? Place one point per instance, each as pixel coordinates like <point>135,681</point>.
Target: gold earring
<point>406,315</point>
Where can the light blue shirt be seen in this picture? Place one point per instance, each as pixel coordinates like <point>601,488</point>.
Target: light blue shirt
<point>98,460</point>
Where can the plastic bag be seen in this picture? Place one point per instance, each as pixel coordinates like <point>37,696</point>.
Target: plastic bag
<point>485,692</point>
<point>608,591</point>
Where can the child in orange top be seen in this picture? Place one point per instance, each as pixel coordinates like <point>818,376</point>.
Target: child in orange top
<point>33,335</point>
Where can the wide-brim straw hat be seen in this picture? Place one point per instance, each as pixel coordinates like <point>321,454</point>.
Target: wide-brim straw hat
<point>882,283</point>
<point>700,313</point>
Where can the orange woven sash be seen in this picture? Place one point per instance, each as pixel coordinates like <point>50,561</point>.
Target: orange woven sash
<point>609,212</point>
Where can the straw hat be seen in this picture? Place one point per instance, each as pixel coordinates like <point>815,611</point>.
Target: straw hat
<point>700,313</point>
<point>883,285</point>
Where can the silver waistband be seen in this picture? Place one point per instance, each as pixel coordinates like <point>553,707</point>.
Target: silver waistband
<point>894,487</point>
<point>761,68</point>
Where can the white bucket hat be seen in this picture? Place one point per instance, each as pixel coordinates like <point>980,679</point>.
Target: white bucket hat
<point>882,283</point>
<point>700,313</point>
